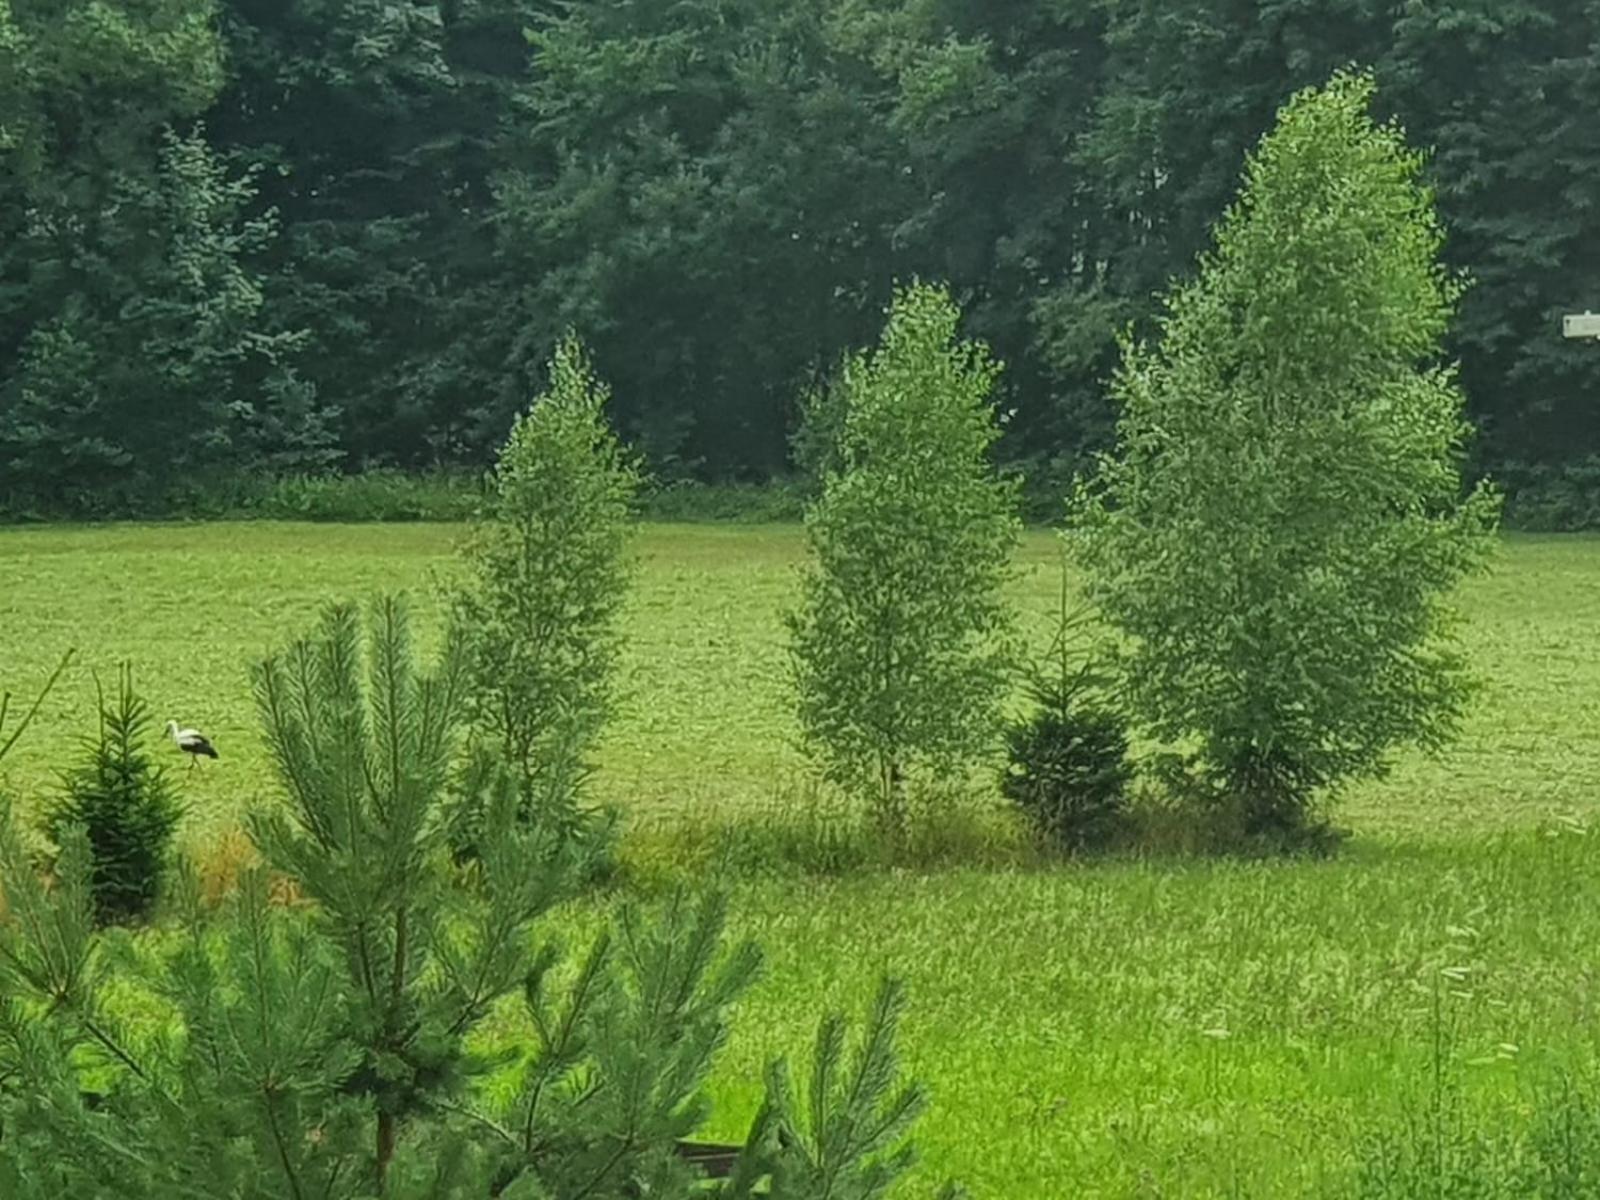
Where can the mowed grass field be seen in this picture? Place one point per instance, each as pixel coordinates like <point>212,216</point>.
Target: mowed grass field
<point>1164,1028</point>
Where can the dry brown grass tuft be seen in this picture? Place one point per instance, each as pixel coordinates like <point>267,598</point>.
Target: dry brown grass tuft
<point>284,891</point>
<point>221,862</point>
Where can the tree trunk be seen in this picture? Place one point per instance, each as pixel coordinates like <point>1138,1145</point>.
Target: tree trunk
<point>385,1147</point>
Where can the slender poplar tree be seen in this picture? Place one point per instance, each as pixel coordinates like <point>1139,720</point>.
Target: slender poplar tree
<point>899,644</point>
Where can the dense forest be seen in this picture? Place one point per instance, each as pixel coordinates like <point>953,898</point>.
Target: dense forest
<point>290,235</point>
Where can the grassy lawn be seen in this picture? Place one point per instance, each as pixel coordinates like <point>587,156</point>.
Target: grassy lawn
<point>1121,1029</point>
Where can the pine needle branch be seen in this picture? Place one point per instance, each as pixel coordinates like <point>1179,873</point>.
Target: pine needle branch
<point>33,711</point>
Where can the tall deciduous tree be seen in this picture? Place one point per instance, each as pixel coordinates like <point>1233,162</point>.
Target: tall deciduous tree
<point>149,363</point>
<point>1280,529</point>
<point>376,128</point>
<point>546,575</point>
<point>732,157</point>
<point>899,640</point>
<point>135,344</point>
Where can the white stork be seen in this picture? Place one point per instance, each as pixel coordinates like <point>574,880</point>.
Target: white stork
<point>191,741</point>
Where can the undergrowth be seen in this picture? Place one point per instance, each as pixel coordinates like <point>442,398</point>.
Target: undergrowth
<point>809,829</point>
<point>1539,499</point>
<point>1552,498</point>
<point>377,495</point>
<point>1440,1147</point>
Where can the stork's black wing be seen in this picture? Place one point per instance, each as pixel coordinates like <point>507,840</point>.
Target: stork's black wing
<point>199,745</point>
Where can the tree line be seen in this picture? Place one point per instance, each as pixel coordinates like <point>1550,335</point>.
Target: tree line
<point>290,235</point>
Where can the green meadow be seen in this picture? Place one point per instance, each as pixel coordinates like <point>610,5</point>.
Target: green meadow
<point>1163,1026</point>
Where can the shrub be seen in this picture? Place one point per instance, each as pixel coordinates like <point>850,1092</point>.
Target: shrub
<point>323,1049</point>
<point>126,805</point>
<point>375,494</point>
<point>1276,540</point>
<point>1069,773</point>
<point>1068,770</point>
<point>545,577</point>
<point>777,500</point>
<point>1046,477</point>
<point>898,645</point>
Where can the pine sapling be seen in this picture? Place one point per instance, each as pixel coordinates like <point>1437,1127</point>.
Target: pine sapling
<point>125,803</point>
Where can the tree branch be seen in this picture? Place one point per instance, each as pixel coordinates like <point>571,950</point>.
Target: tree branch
<point>49,686</point>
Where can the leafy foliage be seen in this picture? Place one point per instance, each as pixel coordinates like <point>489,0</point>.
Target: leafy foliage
<point>898,643</point>
<point>1552,499</point>
<point>373,127</point>
<point>148,359</point>
<point>67,71</point>
<point>1280,531</point>
<point>729,157</point>
<point>139,349</point>
<point>818,441</point>
<point>1506,169</point>
<point>545,578</point>
<point>718,195</point>
<point>125,804</point>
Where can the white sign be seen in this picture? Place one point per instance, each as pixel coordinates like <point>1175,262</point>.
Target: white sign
<point>1583,325</point>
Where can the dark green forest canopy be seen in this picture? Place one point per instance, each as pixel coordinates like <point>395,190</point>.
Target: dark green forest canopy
<point>244,235</point>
